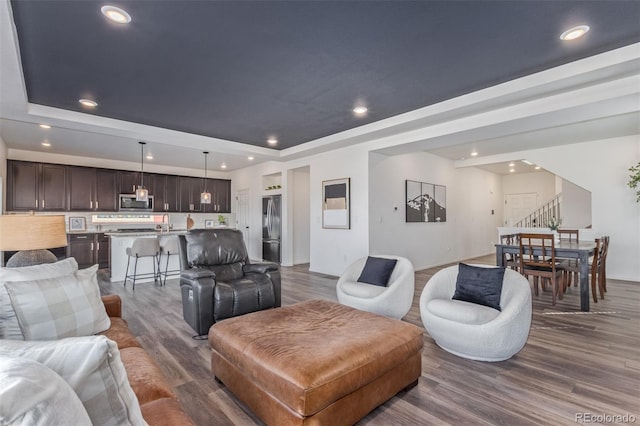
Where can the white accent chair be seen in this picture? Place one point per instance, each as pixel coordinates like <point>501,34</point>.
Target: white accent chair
<point>475,331</point>
<point>392,301</point>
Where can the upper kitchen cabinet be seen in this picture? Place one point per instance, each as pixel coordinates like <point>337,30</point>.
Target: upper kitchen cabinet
<point>220,190</point>
<point>36,186</point>
<point>190,188</point>
<point>92,189</point>
<point>129,181</point>
<point>165,193</point>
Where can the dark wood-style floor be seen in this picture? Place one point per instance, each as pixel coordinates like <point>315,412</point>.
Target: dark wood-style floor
<point>573,362</point>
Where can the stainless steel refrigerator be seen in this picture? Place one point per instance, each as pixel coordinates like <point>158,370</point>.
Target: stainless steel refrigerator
<point>271,227</point>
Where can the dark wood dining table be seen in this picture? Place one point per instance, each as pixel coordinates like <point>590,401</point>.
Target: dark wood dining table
<point>580,250</point>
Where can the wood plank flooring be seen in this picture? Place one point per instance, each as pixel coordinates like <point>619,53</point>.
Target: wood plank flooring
<point>573,362</point>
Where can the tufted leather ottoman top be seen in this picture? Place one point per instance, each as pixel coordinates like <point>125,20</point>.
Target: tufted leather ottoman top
<point>310,354</point>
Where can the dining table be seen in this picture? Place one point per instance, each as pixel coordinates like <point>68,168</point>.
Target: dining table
<point>580,250</point>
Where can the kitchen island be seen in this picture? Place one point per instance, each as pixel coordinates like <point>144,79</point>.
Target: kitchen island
<point>121,240</point>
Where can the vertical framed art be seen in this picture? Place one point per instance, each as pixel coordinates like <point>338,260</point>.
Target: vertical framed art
<point>336,204</point>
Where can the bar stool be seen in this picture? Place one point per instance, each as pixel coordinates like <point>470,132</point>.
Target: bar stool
<point>142,247</point>
<point>168,247</point>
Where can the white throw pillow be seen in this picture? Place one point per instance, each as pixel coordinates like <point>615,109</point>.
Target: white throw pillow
<point>9,327</point>
<point>93,368</point>
<point>55,308</point>
<point>34,395</point>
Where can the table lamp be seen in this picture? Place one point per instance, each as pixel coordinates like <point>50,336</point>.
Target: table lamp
<point>31,235</point>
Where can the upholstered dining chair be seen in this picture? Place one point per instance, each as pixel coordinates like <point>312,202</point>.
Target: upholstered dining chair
<point>393,300</point>
<point>538,259</point>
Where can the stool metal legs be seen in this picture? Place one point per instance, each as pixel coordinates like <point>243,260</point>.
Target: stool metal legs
<point>156,271</point>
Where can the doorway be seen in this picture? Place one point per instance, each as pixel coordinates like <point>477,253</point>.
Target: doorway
<point>300,214</point>
<point>517,206</point>
<point>243,214</point>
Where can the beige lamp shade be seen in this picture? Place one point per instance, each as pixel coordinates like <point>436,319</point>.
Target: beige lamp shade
<point>31,232</point>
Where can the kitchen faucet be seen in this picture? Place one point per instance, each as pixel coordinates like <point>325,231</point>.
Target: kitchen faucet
<point>163,222</point>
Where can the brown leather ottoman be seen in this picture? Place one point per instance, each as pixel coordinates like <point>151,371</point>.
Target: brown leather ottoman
<point>315,362</point>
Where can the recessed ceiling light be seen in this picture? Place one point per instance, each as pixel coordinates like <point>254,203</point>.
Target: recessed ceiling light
<point>45,126</point>
<point>272,141</point>
<point>223,166</point>
<point>537,167</point>
<point>250,158</point>
<point>512,170</point>
<point>115,14</point>
<point>574,33</point>
<point>88,103</point>
<point>474,153</point>
<point>46,143</point>
<point>512,164</point>
<point>360,110</point>
<point>149,157</point>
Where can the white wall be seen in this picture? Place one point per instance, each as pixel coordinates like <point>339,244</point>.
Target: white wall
<point>470,229</point>
<point>331,250</point>
<point>541,182</point>
<point>301,214</point>
<point>601,167</point>
<point>3,174</point>
<point>576,206</point>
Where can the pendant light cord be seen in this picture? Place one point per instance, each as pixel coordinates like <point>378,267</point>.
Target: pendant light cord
<point>142,144</point>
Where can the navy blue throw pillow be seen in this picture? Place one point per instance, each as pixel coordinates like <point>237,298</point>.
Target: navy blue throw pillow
<point>377,271</point>
<point>482,286</point>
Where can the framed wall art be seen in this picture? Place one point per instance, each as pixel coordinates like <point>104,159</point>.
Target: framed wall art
<point>425,202</point>
<point>336,204</point>
<point>208,223</point>
<point>77,223</point>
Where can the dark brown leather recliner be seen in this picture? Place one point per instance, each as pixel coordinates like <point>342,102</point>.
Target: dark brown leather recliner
<point>218,281</point>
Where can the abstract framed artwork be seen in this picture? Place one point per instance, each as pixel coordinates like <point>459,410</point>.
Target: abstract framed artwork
<point>335,204</point>
<point>77,224</point>
<point>425,202</point>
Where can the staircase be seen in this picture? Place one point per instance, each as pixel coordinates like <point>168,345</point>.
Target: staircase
<point>540,217</point>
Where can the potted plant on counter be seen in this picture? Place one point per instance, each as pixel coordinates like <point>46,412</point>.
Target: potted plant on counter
<point>222,221</point>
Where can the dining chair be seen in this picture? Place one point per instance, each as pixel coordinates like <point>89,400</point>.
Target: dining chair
<point>571,267</point>
<point>598,267</point>
<point>510,260</point>
<point>538,259</point>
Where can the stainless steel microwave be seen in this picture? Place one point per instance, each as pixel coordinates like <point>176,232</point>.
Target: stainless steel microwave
<point>128,203</point>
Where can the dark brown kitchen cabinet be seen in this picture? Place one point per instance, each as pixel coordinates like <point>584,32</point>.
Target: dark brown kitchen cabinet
<point>190,189</point>
<point>165,193</point>
<point>89,249</point>
<point>36,186</point>
<point>129,181</point>
<point>220,190</point>
<point>92,189</point>
<point>222,197</point>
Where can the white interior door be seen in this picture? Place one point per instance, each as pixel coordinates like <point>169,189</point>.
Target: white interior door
<point>517,206</point>
<point>242,215</point>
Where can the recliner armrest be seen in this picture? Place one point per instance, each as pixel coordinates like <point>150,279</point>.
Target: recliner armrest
<point>260,268</point>
<point>196,274</point>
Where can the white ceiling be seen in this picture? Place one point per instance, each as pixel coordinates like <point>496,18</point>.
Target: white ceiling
<point>594,98</point>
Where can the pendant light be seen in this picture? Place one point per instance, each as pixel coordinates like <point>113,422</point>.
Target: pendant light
<point>142,194</point>
<point>205,197</point>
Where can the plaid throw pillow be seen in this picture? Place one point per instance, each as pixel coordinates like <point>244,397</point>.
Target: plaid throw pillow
<point>9,327</point>
<point>93,368</point>
<point>55,308</point>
